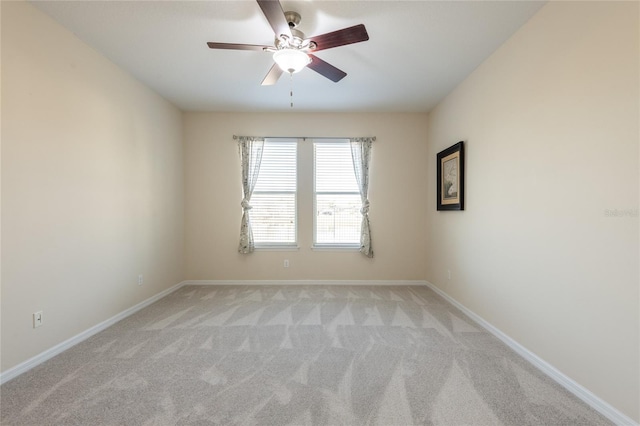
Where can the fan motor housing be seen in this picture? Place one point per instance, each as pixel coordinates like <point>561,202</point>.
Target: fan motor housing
<point>296,41</point>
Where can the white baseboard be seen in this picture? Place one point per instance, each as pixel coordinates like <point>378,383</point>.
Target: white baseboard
<point>61,347</point>
<point>572,386</point>
<point>307,282</point>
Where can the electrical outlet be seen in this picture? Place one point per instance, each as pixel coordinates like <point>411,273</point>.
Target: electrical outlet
<point>37,319</point>
<point>448,274</point>
<point>286,263</point>
<point>140,279</point>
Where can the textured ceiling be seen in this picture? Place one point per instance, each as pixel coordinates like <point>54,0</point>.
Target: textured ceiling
<point>418,51</point>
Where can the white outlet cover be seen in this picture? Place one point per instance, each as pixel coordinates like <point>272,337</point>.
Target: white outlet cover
<point>37,319</point>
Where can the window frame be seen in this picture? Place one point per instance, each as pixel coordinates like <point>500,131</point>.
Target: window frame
<point>355,246</point>
<point>282,246</point>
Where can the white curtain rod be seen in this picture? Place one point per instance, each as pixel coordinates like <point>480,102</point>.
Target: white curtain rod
<point>304,137</point>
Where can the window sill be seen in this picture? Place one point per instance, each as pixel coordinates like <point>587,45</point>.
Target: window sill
<point>335,248</point>
<point>277,248</point>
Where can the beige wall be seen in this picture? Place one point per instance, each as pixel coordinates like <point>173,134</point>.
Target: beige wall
<point>550,123</point>
<point>93,194</point>
<point>214,192</point>
<point>92,186</point>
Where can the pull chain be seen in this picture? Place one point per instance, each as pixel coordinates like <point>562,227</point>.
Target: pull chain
<point>291,88</point>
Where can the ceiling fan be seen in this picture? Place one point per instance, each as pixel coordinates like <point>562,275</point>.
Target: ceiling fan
<point>291,50</point>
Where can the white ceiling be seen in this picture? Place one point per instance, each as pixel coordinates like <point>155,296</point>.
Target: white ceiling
<point>417,53</point>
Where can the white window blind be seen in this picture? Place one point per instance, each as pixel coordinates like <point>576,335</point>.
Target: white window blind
<point>337,198</point>
<point>273,216</point>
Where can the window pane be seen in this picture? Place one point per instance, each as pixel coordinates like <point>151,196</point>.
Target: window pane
<point>338,219</point>
<point>337,197</point>
<point>334,167</point>
<point>278,167</point>
<point>273,216</point>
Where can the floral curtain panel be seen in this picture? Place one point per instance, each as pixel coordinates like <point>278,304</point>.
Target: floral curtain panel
<point>250,157</point>
<point>361,156</point>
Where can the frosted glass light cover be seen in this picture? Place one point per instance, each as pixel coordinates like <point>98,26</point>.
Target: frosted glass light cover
<point>291,60</point>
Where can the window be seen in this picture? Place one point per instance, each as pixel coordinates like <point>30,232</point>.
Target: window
<point>273,216</point>
<point>337,217</point>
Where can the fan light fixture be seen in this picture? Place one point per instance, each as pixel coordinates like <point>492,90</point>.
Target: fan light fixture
<point>291,60</point>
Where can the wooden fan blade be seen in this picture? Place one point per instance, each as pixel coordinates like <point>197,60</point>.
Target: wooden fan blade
<point>275,15</point>
<point>326,69</point>
<point>350,35</point>
<point>272,76</point>
<point>235,46</point>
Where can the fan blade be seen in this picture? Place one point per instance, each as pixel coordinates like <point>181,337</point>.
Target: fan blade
<point>275,15</point>
<point>350,35</point>
<point>326,69</point>
<point>272,76</point>
<point>235,46</point>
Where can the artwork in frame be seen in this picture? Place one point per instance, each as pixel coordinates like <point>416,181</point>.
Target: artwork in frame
<point>451,178</point>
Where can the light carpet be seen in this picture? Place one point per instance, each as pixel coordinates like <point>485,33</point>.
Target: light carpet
<point>303,355</point>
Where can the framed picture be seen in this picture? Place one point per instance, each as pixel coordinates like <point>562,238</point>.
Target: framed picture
<point>451,178</point>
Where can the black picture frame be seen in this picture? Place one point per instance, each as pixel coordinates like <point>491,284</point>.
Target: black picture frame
<point>450,169</point>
